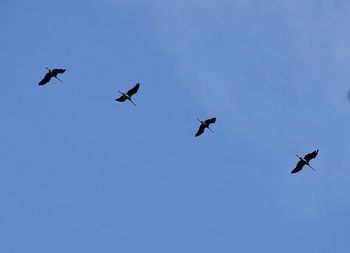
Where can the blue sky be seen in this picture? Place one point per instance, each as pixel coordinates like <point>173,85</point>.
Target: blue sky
<point>82,173</point>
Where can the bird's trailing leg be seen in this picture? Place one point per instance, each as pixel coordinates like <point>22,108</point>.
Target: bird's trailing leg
<point>58,79</point>
<point>132,101</point>
<point>210,130</point>
<point>311,167</point>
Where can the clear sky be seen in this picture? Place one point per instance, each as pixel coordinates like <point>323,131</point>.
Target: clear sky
<point>80,172</point>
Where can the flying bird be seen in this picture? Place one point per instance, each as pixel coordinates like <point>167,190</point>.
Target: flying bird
<point>305,161</point>
<point>205,124</point>
<point>50,74</point>
<point>129,94</point>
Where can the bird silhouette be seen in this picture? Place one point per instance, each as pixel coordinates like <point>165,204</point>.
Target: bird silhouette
<point>129,94</point>
<point>304,161</point>
<point>51,74</point>
<point>205,124</point>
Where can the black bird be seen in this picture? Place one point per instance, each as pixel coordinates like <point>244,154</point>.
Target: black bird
<point>305,161</point>
<point>205,125</point>
<point>51,74</point>
<point>129,94</point>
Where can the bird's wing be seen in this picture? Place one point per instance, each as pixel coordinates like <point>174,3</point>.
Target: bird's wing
<point>311,156</point>
<point>46,79</point>
<point>58,71</point>
<point>133,90</point>
<point>200,130</point>
<point>299,167</point>
<point>121,99</point>
<point>210,121</point>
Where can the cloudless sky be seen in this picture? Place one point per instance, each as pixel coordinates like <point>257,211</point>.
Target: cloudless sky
<point>80,172</point>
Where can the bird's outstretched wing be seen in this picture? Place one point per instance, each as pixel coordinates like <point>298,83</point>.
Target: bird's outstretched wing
<point>121,99</point>
<point>46,79</point>
<point>200,130</point>
<point>133,90</point>
<point>58,71</point>
<point>299,167</point>
<point>311,156</point>
<point>210,121</point>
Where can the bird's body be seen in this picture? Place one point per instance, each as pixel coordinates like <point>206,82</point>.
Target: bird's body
<point>205,124</point>
<point>129,94</point>
<point>50,74</point>
<point>305,161</point>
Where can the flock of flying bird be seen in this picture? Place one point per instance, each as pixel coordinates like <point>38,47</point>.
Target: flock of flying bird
<point>204,124</point>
